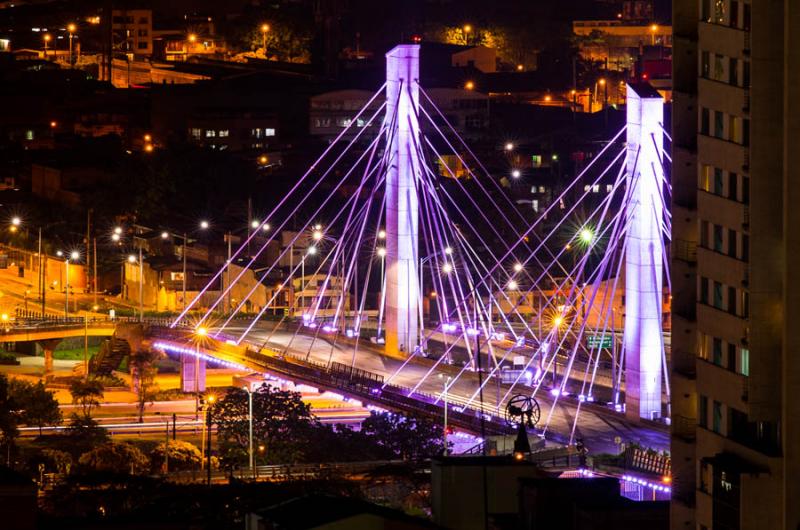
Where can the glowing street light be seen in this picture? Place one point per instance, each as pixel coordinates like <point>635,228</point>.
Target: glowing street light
<point>115,238</point>
<point>131,258</point>
<point>513,285</point>
<point>517,267</point>
<point>509,146</point>
<point>264,30</point>
<point>447,268</point>
<point>164,235</point>
<point>311,250</point>
<point>202,332</point>
<point>381,252</point>
<point>469,85</point>
<point>16,221</point>
<point>204,225</point>
<point>382,234</point>
<point>586,235</point>
<point>448,251</point>
<point>516,173</point>
<point>74,255</point>
<point>317,234</point>
<point>558,321</point>
<point>266,227</point>
<point>254,224</point>
<point>192,37</point>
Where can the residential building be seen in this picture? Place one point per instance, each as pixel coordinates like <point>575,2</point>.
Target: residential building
<point>735,275</point>
<point>133,31</point>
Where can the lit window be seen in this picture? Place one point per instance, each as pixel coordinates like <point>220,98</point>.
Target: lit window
<point>609,187</point>
<point>542,189</point>
<point>255,133</point>
<point>587,188</point>
<point>269,131</point>
<point>224,133</point>
<point>596,188</point>
<point>197,133</point>
<point>29,134</point>
<point>360,122</point>
<point>535,204</point>
<point>744,361</point>
<point>210,133</point>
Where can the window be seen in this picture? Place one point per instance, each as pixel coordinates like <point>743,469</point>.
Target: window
<point>142,45</point>
<point>705,65</point>
<point>703,290</point>
<point>142,20</point>
<point>542,189</point>
<point>734,130</point>
<point>596,188</point>
<point>745,304</point>
<point>733,181</point>
<point>716,350</point>
<point>702,411</point>
<point>141,32</point>
<point>745,132</point>
<point>717,301</point>
<point>732,300</point>
<point>609,188</point>
<point>744,361</point>
<point>271,131</point>
<point>705,178</point>
<point>704,234</point>
<point>719,69</point>
<point>196,133</point>
<point>718,182</point>
<point>745,189</point>
<point>256,133</point>
<point>746,17</point>
<point>224,133</point>
<point>717,231</point>
<point>719,12</point>
<point>731,243</point>
<point>733,71</point>
<point>734,14</point>
<point>29,134</point>
<point>716,420</point>
<point>719,124</point>
<point>535,205</point>
<point>210,133</point>
<point>704,121</point>
<point>732,357</point>
<point>746,74</point>
<point>745,255</point>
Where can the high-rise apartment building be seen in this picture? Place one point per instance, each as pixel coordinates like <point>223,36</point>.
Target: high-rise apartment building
<point>735,374</point>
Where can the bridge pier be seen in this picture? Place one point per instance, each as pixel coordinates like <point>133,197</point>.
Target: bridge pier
<point>193,374</point>
<point>48,346</point>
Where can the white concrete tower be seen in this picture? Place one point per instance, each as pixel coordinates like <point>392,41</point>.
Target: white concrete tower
<point>644,254</point>
<point>402,206</point>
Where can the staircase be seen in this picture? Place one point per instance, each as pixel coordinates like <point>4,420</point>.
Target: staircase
<point>111,354</point>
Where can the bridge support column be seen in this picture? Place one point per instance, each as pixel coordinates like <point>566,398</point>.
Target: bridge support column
<point>193,374</point>
<point>49,346</point>
<point>644,347</point>
<point>402,203</point>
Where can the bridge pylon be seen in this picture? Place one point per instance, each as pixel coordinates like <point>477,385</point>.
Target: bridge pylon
<point>643,339</point>
<point>402,202</point>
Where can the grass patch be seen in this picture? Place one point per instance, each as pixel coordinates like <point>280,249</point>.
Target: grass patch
<point>74,354</point>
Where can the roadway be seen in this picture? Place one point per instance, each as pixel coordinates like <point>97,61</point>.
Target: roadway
<point>598,428</point>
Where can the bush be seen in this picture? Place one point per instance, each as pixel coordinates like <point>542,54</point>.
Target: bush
<point>112,457</point>
<point>183,456</point>
<point>8,358</point>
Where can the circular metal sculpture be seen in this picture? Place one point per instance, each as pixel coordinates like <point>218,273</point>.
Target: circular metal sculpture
<point>523,409</point>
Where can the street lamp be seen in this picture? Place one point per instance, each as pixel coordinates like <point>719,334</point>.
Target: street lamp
<point>264,30</point>
<point>71,28</point>
<point>250,430</point>
<point>73,256</point>
<point>46,38</point>
<point>516,173</point>
<point>467,30</point>
<point>444,393</point>
<point>204,225</point>
<point>517,267</point>
<point>382,234</point>
<point>132,259</point>
<point>469,85</point>
<point>513,285</point>
<point>184,238</point>
<point>586,235</point>
<point>509,146</point>
<point>447,268</point>
<point>211,399</point>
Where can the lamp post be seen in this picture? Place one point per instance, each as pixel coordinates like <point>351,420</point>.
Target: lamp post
<point>184,238</point>
<point>447,380</point>
<point>46,38</point>
<point>132,259</point>
<point>209,402</point>
<point>71,28</point>
<point>73,256</point>
<point>199,334</point>
<point>264,30</point>
<point>250,430</point>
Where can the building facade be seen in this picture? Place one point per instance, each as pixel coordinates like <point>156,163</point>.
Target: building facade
<point>133,31</point>
<point>735,276</point>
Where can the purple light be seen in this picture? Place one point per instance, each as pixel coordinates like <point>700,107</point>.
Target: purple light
<point>306,317</point>
<point>555,392</point>
<point>472,331</point>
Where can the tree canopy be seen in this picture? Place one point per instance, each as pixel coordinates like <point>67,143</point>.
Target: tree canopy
<point>37,405</point>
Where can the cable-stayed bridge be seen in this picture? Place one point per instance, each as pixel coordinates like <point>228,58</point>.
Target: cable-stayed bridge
<point>428,274</point>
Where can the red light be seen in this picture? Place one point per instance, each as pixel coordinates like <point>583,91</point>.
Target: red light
<point>416,38</point>
<point>645,76</point>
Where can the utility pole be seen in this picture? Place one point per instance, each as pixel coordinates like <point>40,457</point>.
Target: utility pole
<point>94,273</point>
<point>42,272</point>
<point>141,286</point>
<point>88,247</point>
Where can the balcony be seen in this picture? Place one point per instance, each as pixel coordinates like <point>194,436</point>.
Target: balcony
<point>685,250</point>
<point>684,428</point>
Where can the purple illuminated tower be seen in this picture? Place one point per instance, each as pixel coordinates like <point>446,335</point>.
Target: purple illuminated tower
<point>644,347</point>
<point>402,217</point>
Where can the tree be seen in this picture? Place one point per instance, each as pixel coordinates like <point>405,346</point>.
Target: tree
<point>407,438</point>
<point>84,433</point>
<point>144,370</point>
<point>183,456</point>
<point>115,457</point>
<point>9,414</point>
<point>281,422</point>
<point>38,406</point>
<point>87,394</point>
